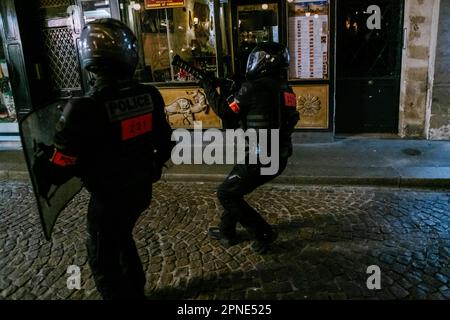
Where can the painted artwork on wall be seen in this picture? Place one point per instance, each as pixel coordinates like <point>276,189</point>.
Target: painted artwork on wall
<point>186,106</point>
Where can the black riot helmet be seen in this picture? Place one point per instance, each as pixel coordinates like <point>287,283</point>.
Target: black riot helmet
<point>267,58</point>
<point>109,46</point>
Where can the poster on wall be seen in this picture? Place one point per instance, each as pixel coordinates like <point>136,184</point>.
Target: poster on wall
<point>161,4</point>
<point>308,41</point>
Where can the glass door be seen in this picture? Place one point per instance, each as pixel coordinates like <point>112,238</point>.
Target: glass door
<point>254,22</point>
<point>368,65</point>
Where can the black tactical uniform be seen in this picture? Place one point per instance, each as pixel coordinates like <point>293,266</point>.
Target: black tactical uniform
<point>117,140</point>
<point>264,101</point>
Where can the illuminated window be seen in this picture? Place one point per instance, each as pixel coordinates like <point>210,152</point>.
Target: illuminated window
<point>95,9</point>
<point>188,31</point>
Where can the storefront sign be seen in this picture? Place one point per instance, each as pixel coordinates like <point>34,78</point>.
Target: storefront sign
<point>159,4</point>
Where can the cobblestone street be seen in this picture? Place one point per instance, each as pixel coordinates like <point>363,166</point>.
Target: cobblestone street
<point>329,236</point>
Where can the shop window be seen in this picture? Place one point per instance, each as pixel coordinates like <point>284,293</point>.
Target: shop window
<point>95,9</point>
<point>7,107</point>
<point>188,29</point>
<point>256,23</point>
<point>308,39</point>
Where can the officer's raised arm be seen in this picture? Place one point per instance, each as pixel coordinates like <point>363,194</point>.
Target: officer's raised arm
<point>223,104</point>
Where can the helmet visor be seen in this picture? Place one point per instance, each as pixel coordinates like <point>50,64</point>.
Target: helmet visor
<point>255,60</point>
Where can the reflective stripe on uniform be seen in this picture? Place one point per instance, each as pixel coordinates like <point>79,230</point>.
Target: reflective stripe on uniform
<point>258,124</point>
<point>63,160</point>
<point>257,117</point>
<point>258,121</point>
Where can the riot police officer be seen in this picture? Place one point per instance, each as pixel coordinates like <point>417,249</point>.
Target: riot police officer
<point>264,101</point>
<point>117,140</point>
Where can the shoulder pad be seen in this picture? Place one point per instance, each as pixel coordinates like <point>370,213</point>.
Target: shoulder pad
<point>79,106</point>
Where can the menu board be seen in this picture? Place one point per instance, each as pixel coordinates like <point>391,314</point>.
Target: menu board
<point>309,47</point>
<point>308,40</point>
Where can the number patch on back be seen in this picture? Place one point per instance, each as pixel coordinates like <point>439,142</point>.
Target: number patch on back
<point>137,126</point>
<point>290,100</point>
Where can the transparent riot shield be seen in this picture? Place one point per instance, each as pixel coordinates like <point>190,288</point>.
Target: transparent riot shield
<point>37,129</point>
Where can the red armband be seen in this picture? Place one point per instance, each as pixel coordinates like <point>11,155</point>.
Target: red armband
<point>290,100</point>
<point>234,106</point>
<point>63,160</point>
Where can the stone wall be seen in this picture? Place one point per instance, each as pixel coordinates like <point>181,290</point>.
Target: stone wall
<point>421,24</point>
<point>440,109</point>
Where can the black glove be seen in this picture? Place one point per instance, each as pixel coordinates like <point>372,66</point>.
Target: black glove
<point>207,85</point>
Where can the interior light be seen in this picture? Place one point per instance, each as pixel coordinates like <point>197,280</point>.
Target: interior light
<point>265,6</point>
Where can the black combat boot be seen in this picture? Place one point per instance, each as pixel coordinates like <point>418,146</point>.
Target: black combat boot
<point>216,234</point>
<point>262,245</point>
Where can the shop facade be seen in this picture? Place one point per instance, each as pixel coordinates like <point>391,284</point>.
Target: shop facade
<point>357,66</point>
<point>218,36</point>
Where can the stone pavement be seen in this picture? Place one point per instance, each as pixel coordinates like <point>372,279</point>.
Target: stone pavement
<point>328,238</point>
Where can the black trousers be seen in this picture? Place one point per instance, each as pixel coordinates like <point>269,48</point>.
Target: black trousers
<point>112,252</point>
<point>242,180</point>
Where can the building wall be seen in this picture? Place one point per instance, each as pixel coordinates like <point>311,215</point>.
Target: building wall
<point>421,21</point>
<point>440,108</point>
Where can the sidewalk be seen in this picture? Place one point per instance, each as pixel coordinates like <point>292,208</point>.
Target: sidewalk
<point>346,161</point>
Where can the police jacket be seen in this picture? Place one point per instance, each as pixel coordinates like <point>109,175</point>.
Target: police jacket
<point>115,137</point>
<point>264,103</point>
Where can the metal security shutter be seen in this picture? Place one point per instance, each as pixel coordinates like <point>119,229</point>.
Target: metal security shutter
<point>63,59</point>
<point>54,3</point>
<point>60,44</point>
